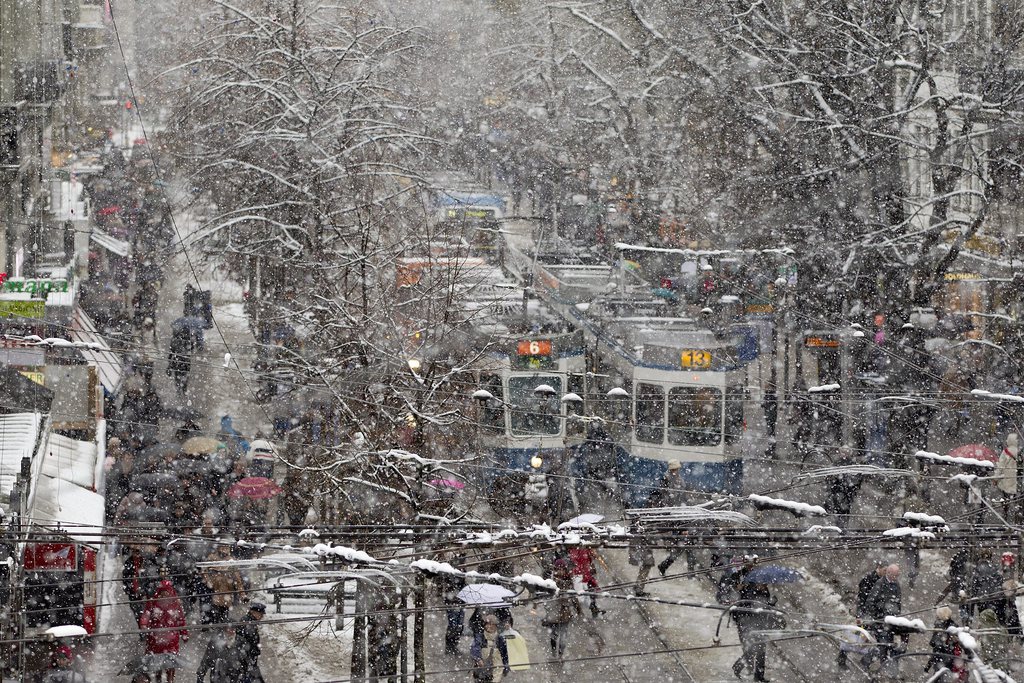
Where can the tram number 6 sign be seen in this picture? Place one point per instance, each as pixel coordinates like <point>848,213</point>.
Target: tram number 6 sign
<point>691,359</point>
<point>534,348</point>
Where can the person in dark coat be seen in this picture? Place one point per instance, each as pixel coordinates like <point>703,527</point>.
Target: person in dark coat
<point>943,643</point>
<point>248,643</point>
<point>986,588</point>
<point>220,659</point>
<point>842,490</point>
<point>865,585</point>
<point>959,569</point>
<point>179,359</point>
<point>450,586</point>
<point>134,580</point>
<point>752,597</point>
<point>670,493</point>
<point>886,599</point>
<point>770,405</point>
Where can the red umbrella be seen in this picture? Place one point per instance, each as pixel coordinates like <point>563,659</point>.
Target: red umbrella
<point>975,451</point>
<point>259,488</point>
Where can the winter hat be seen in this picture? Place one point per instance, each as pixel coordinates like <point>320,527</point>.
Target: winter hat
<point>63,651</point>
<point>1008,559</point>
<point>943,613</point>
<point>674,465</point>
<point>257,607</point>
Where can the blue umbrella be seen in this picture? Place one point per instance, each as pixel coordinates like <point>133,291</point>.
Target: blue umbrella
<point>773,573</point>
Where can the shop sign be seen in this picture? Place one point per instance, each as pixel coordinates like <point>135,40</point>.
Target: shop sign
<point>34,285</point>
<point>33,308</point>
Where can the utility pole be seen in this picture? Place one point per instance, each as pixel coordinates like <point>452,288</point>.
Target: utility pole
<point>419,626</point>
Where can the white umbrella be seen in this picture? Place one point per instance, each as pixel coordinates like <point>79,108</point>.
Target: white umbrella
<point>581,520</point>
<point>67,631</point>
<point>489,594</point>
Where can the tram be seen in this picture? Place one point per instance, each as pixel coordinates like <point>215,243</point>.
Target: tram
<point>667,385</point>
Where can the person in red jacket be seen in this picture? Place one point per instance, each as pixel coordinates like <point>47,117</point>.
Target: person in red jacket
<point>163,619</point>
<point>583,566</point>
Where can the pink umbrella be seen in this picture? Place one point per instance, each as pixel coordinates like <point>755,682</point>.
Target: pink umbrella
<point>259,488</point>
<point>975,451</point>
<point>450,483</point>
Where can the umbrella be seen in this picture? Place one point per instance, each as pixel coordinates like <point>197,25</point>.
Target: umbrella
<point>582,520</point>
<point>448,483</point>
<point>200,445</point>
<point>153,457</point>
<point>155,481</point>
<point>975,451</point>
<point>489,594</point>
<point>258,488</point>
<point>773,573</point>
<point>67,631</point>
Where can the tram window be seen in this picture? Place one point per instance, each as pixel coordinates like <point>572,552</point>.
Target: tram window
<point>694,416</point>
<point>650,413</point>
<point>492,416</point>
<point>533,413</point>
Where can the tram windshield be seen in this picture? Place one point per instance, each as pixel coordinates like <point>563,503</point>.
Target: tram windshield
<point>535,413</point>
<point>694,416</point>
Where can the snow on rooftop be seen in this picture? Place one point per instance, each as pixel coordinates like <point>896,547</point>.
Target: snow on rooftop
<point>793,506</point>
<point>972,462</point>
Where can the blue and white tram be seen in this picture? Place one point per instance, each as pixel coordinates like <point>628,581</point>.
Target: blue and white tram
<point>536,380</point>
<point>673,391</point>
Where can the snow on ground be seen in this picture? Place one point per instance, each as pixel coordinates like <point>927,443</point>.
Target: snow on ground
<point>305,651</point>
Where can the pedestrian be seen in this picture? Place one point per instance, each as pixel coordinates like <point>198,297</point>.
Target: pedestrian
<point>220,658</point>
<point>490,653</point>
<point>956,587</point>
<point>770,406</point>
<point>1007,613</point>
<point>842,490</point>
<point>670,492</point>
<point>226,587</point>
<point>561,610</point>
<point>450,585</point>
<point>753,615</point>
<point>885,600</point>
<point>133,580</point>
<point>164,623</point>
<point>943,643</point>
<point>536,494</point>
<point>1006,476</point>
<point>61,670</point>
<point>865,585</point>
<point>248,643</point>
<point>994,639</point>
<point>582,560</point>
<point>986,589</point>
<point>179,359</point>
<point>641,556</point>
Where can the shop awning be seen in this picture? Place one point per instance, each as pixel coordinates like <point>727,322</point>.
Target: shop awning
<point>70,460</point>
<point>77,510</point>
<point>109,365</point>
<point>109,242</point>
<point>18,435</point>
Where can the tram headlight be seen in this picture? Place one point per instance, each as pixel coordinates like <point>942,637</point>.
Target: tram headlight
<point>536,461</point>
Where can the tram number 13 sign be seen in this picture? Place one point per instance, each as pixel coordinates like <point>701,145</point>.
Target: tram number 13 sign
<point>695,360</point>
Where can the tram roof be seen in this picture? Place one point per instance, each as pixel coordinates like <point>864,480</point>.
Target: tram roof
<point>778,251</point>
